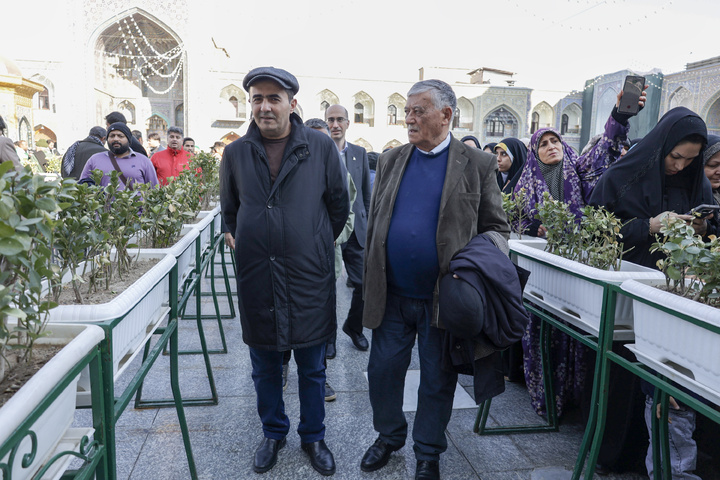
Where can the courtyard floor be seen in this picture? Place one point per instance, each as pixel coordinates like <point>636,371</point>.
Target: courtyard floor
<point>224,437</point>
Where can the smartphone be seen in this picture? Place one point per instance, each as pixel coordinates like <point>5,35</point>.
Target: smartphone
<point>702,211</point>
<point>634,85</point>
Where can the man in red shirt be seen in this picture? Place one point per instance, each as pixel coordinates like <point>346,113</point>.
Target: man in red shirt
<point>171,161</point>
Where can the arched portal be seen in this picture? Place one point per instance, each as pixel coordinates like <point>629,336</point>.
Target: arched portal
<point>139,59</point>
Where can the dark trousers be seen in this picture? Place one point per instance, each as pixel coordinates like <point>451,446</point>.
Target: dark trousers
<point>392,344</point>
<point>353,255</point>
<point>267,376</point>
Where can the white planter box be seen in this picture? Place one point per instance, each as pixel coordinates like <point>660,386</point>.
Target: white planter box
<point>55,421</point>
<point>566,288</point>
<point>140,308</point>
<point>209,222</point>
<point>686,353</point>
<point>183,251</point>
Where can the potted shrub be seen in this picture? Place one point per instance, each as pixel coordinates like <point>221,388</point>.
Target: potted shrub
<point>677,322</point>
<point>571,269</point>
<point>28,207</point>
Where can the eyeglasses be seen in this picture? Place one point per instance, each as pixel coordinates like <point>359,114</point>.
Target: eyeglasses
<point>332,120</point>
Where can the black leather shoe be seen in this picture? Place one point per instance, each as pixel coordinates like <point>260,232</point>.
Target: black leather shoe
<point>266,454</point>
<point>358,339</point>
<point>602,470</point>
<point>377,455</point>
<point>321,458</point>
<point>330,351</point>
<point>427,470</point>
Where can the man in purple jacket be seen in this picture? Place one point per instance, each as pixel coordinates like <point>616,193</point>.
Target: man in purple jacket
<point>134,167</point>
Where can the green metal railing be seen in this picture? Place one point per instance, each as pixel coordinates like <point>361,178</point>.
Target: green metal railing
<point>550,317</point>
<point>663,389</point>
<point>93,453</point>
<point>602,344</point>
<point>168,338</point>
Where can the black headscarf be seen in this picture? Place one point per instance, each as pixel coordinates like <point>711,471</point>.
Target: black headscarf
<point>637,188</point>
<point>713,147</point>
<point>518,151</point>
<point>491,146</point>
<point>472,138</point>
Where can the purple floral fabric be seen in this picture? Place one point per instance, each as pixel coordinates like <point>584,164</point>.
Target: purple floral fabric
<point>580,175</point>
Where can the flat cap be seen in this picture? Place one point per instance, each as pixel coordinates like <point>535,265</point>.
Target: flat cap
<point>286,79</point>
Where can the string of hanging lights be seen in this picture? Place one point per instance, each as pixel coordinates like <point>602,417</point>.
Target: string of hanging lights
<point>153,64</point>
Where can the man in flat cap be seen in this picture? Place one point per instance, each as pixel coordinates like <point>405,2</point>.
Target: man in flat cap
<point>133,167</point>
<point>431,197</point>
<point>284,201</point>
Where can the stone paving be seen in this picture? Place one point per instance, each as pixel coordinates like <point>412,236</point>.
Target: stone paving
<point>225,436</point>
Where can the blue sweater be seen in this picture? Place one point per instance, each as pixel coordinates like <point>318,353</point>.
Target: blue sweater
<point>412,256</point>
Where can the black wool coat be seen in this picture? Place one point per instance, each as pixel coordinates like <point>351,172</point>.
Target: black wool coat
<point>284,236</point>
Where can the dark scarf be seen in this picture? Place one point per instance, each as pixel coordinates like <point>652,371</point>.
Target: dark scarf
<point>518,151</point>
<point>472,139</point>
<point>68,162</point>
<point>635,186</point>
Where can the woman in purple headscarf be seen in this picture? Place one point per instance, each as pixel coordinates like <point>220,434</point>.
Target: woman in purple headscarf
<point>553,166</point>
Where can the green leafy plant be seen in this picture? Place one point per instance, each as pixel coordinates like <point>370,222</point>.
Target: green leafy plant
<point>599,236</point>
<point>562,229</point>
<point>593,241</point>
<point>515,206</point>
<point>691,266</point>
<point>167,208</point>
<point>53,163</point>
<point>28,206</point>
<point>78,234</point>
<point>207,171</point>
<point>123,223</point>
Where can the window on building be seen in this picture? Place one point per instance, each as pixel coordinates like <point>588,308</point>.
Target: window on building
<point>392,115</point>
<point>564,124</point>
<point>180,116</point>
<point>156,124</point>
<point>44,99</point>
<point>324,106</point>
<point>359,113</point>
<point>535,124</point>
<point>235,103</point>
<point>456,118</point>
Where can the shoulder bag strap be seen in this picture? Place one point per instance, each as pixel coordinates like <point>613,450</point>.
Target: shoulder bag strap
<point>117,167</point>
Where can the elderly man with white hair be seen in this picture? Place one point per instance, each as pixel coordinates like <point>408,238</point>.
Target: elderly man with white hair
<point>431,197</point>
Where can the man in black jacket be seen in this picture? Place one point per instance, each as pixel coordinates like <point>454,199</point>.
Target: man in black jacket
<point>284,201</point>
<point>356,160</point>
<point>79,152</point>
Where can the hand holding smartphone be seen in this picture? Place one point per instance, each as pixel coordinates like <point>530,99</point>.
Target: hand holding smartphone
<point>632,91</point>
<point>704,210</point>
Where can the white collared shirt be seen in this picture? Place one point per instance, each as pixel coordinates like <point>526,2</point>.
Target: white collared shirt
<point>440,147</point>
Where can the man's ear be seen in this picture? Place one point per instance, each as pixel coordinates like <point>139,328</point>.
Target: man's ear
<point>293,104</point>
<point>447,115</point>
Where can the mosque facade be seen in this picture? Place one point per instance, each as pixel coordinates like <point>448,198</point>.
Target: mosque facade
<point>133,57</point>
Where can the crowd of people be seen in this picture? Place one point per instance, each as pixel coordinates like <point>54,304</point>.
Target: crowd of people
<point>417,213</point>
<point>416,229</point>
<point>104,146</point>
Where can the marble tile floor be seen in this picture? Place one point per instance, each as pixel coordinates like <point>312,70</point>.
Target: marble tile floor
<point>225,436</point>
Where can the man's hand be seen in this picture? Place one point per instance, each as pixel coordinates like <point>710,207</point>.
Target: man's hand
<point>673,404</point>
<point>229,240</point>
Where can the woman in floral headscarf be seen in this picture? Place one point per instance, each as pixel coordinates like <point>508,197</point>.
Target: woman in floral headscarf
<point>553,166</point>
